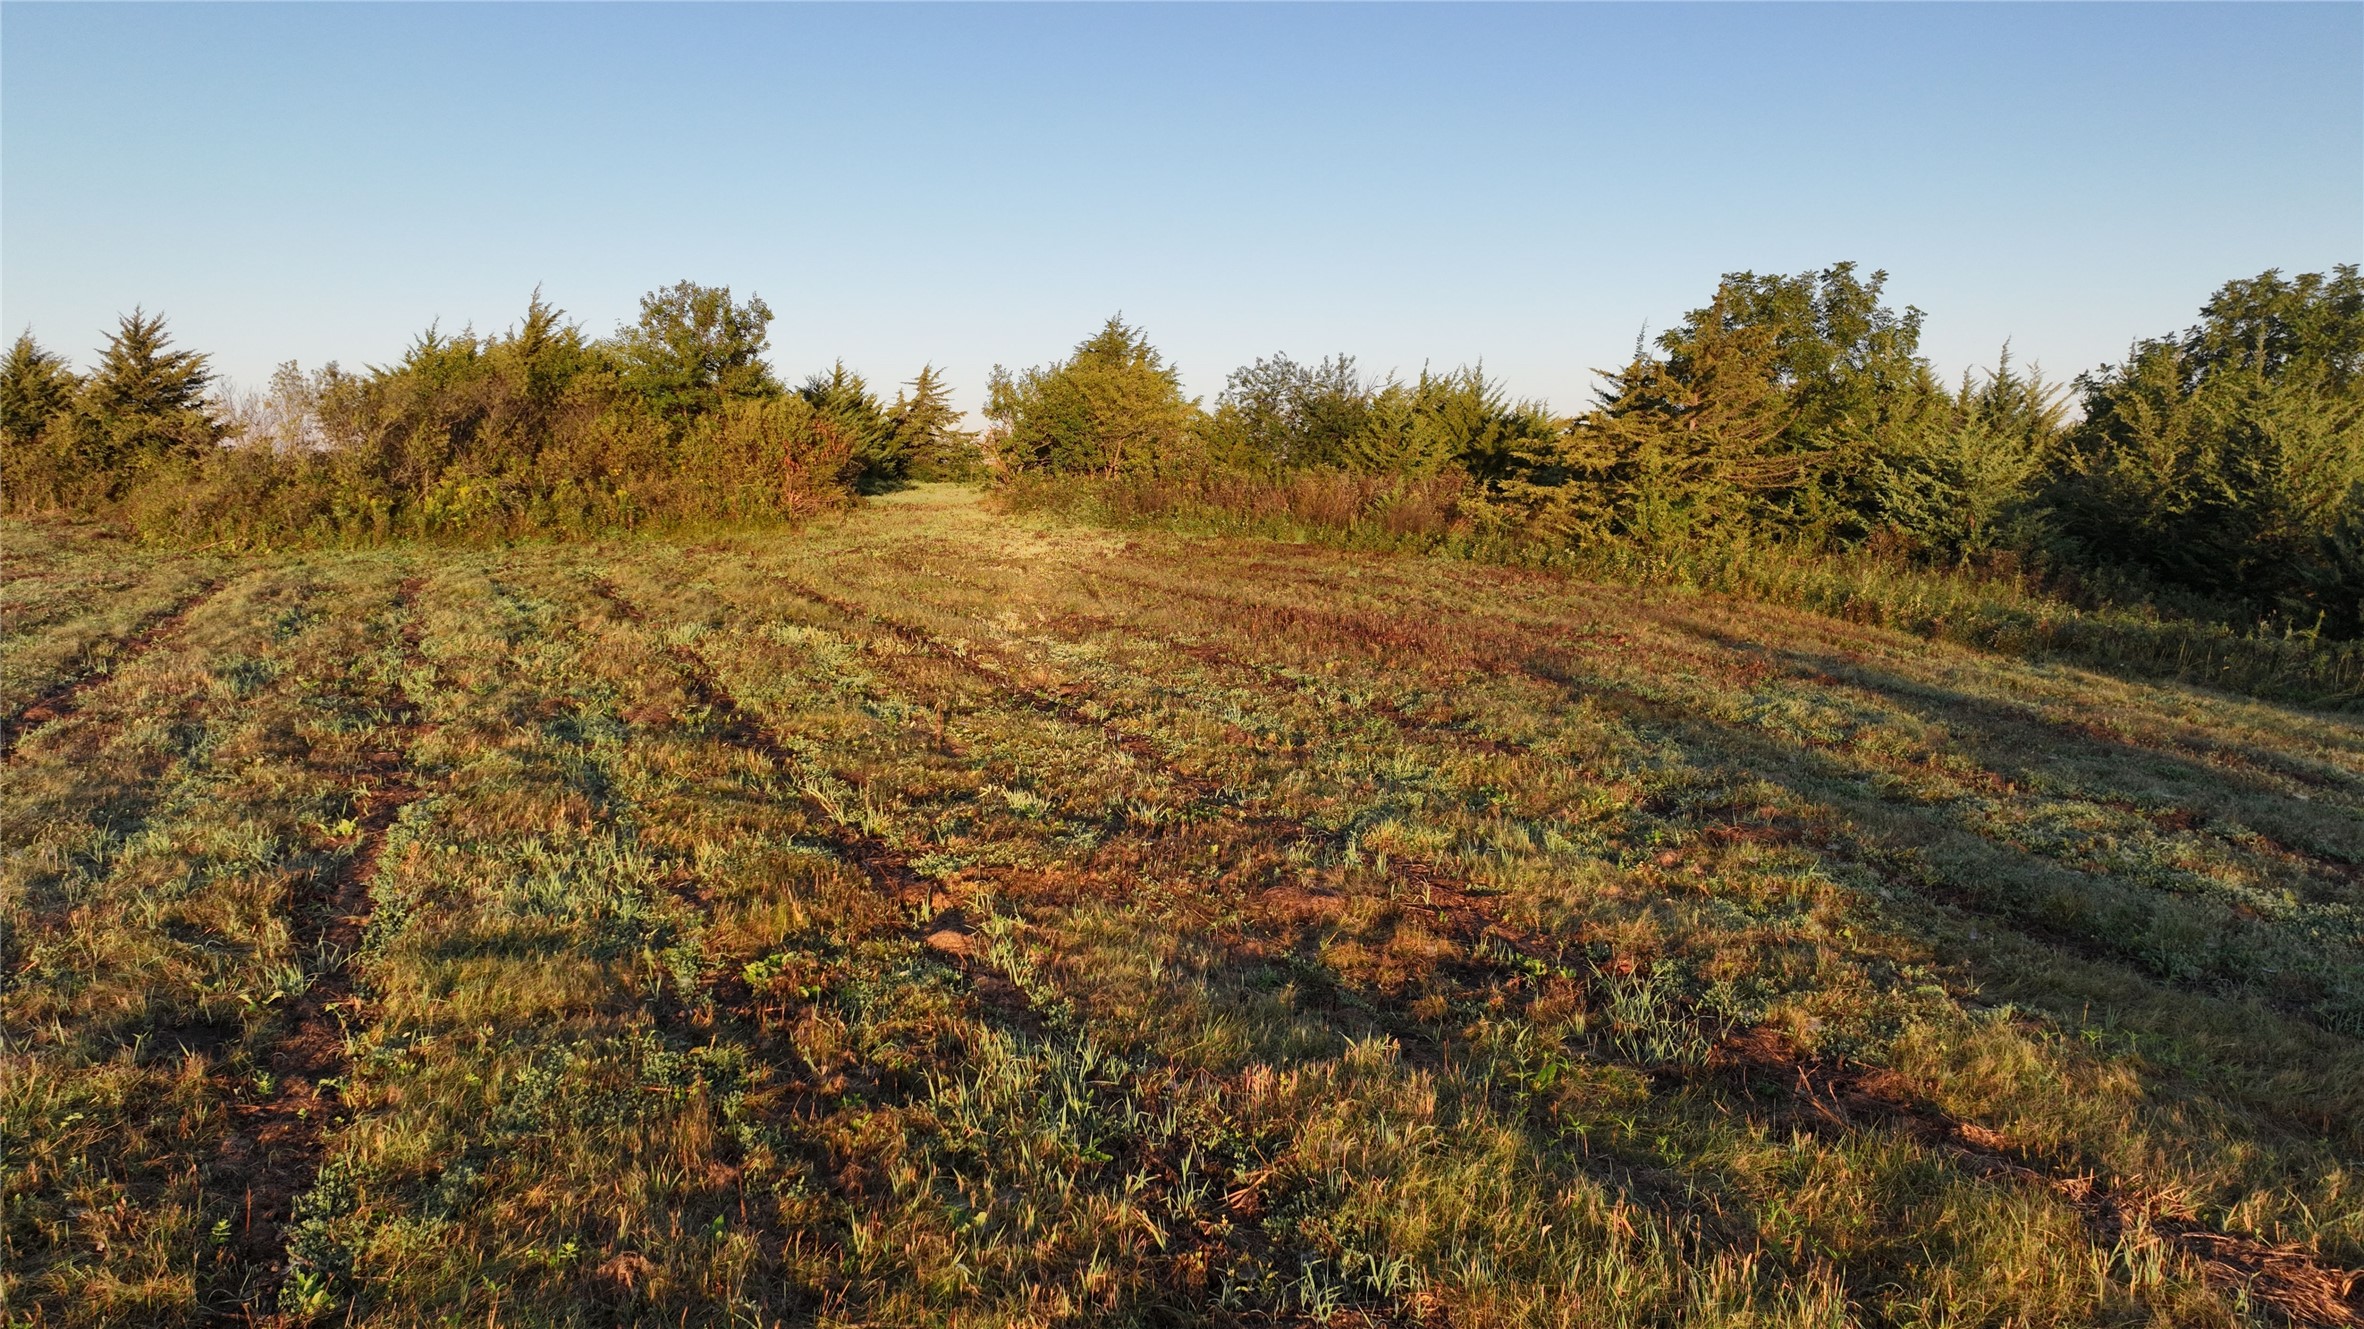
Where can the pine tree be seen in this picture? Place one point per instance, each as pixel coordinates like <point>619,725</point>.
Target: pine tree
<point>140,375</point>
<point>540,359</point>
<point>1115,405</point>
<point>36,392</point>
<point>35,388</point>
<point>842,400</point>
<point>926,430</point>
<point>1681,449</point>
<point>144,403</point>
<point>2230,460</point>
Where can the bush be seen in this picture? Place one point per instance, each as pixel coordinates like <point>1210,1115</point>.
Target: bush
<point>537,431</point>
<point>1113,407</point>
<point>2230,461</point>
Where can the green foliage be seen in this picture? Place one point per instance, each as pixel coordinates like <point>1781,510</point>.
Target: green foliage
<point>1962,481</point>
<point>1838,357</point>
<point>1280,414</point>
<point>693,348</point>
<point>1457,418</point>
<point>36,390</point>
<point>140,376</point>
<point>142,410</point>
<point>843,405</point>
<point>538,429</point>
<point>1684,449</point>
<point>2220,472</point>
<point>1777,410</point>
<point>2230,460</point>
<point>927,433</point>
<point>1114,406</point>
<point>36,387</point>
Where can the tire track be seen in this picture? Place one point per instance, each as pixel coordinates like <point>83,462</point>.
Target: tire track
<point>886,867</point>
<point>954,938</point>
<point>274,1153</point>
<point>1563,667</point>
<point>65,698</point>
<point>2303,1288</point>
<point>1840,1097</point>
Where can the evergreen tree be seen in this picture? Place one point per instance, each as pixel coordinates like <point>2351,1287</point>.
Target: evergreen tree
<point>528,373</point>
<point>842,400</point>
<point>144,403</point>
<point>1680,449</point>
<point>1966,479</point>
<point>139,375</point>
<point>36,392</point>
<point>1111,407</point>
<point>2230,460</point>
<point>35,388</point>
<point>1850,377</point>
<point>1462,418</point>
<point>927,433</point>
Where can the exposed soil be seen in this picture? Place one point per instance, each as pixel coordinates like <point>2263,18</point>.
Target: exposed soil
<point>276,1145</point>
<point>66,698</point>
<point>2294,1282</point>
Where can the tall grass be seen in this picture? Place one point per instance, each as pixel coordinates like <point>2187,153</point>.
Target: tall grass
<point>2007,611</point>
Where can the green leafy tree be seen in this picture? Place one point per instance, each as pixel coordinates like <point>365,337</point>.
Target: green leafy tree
<point>2305,329</point>
<point>1850,377</point>
<point>694,348</point>
<point>1113,406</point>
<point>1841,359</point>
<point>1279,413</point>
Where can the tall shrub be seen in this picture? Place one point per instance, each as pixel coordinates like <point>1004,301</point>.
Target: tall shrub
<point>2230,460</point>
<point>1114,406</point>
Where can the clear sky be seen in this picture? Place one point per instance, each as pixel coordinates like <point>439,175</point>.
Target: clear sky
<point>1526,185</point>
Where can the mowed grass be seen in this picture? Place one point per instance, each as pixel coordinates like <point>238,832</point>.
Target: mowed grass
<point>941,917</point>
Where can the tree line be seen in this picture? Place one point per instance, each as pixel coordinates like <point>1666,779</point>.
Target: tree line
<point>2218,471</point>
<point>539,429</point>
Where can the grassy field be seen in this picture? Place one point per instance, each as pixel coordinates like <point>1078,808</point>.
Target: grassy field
<point>944,917</point>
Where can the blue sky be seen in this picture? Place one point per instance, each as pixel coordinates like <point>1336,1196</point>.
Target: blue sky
<point>975,184</point>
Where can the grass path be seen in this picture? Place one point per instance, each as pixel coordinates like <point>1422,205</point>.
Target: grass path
<point>936,916</point>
